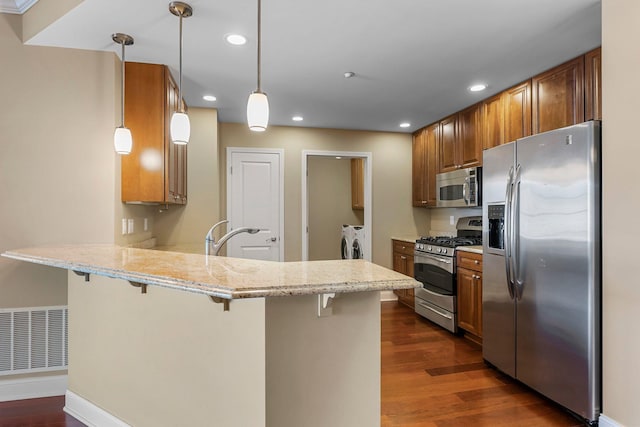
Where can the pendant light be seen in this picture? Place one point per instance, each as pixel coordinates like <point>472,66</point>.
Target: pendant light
<point>122,140</point>
<point>258,104</point>
<point>180,126</point>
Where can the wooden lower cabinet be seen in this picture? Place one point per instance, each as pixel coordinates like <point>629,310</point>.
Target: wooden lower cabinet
<point>469,274</point>
<point>403,263</point>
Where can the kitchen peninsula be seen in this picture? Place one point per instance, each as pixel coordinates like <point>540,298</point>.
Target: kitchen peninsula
<point>163,353</point>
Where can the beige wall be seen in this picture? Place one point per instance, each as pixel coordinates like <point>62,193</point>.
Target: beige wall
<point>56,158</point>
<point>329,205</point>
<point>441,219</point>
<point>621,203</point>
<point>391,209</point>
<point>190,223</point>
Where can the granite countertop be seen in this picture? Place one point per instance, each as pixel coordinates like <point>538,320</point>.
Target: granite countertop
<point>473,249</point>
<point>222,277</point>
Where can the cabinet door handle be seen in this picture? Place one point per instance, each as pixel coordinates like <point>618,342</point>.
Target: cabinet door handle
<point>402,257</point>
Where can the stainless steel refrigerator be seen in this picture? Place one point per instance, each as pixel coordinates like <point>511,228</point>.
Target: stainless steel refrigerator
<point>541,296</point>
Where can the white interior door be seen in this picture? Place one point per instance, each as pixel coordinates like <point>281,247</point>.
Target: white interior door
<point>255,199</point>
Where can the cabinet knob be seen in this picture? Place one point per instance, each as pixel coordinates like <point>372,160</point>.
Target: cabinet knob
<point>476,262</point>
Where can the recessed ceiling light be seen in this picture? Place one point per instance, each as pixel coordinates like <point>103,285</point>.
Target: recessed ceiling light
<point>236,39</point>
<point>405,124</point>
<point>297,118</point>
<point>338,158</point>
<point>349,74</point>
<point>209,98</point>
<point>478,87</point>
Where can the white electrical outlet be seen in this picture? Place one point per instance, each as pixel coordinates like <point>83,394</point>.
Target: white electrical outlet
<point>451,222</point>
<point>146,224</point>
<point>130,226</point>
<point>124,226</point>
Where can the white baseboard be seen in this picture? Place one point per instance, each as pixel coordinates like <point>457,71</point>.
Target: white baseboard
<point>88,413</point>
<point>32,387</point>
<point>388,296</point>
<point>605,421</point>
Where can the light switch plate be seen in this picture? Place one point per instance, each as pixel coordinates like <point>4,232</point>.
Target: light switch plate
<point>124,226</point>
<point>451,220</point>
<point>130,226</point>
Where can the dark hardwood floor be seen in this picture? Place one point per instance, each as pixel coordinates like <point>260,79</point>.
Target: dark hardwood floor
<point>45,412</point>
<point>430,378</point>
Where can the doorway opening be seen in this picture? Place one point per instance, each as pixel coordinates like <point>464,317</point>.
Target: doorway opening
<point>334,163</point>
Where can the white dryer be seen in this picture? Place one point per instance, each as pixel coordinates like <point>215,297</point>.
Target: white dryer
<point>359,242</point>
<point>347,241</point>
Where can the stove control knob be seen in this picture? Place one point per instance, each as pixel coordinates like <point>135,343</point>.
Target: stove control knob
<point>429,248</point>
<point>444,251</point>
<point>439,250</point>
<point>419,246</point>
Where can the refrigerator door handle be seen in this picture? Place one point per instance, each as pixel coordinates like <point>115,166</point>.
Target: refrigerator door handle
<point>515,234</point>
<point>507,246</point>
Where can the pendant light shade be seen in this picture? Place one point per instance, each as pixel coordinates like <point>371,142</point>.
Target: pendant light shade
<point>258,112</point>
<point>122,140</point>
<point>258,104</point>
<point>180,126</point>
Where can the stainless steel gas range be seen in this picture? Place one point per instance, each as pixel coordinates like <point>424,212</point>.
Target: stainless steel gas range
<point>435,268</point>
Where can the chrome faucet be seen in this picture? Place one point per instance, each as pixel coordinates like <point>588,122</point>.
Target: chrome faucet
<point>210,244</point>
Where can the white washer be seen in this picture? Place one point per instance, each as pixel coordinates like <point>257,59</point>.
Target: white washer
<point>359,242</point>
<point>347,241</point>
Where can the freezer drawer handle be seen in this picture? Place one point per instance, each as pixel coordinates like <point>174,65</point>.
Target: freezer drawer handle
<point>441,313</point>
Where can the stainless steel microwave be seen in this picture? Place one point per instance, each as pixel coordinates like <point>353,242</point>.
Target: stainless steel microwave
<point>460,188</point>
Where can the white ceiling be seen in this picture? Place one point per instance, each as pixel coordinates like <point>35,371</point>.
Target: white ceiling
<point>413,59</point>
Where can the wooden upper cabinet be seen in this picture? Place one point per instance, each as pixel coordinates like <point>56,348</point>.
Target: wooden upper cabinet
<point>432,138</point>
<point>470,137</point>
<point>461,140</point>
<point>558,96</point>
<point>593,84</point>
<point>357,184</point>
<point>492,122</point>
<point>419,168</point>
<point>156,169</point>
<point>425,162</point>
<point>517,111</point>
<point>448,157</point>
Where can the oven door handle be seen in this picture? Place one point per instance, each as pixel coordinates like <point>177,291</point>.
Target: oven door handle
<point>420,256</point>
<point>438,312</point>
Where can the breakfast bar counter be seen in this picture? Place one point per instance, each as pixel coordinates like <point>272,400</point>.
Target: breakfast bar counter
<point>299,343</point>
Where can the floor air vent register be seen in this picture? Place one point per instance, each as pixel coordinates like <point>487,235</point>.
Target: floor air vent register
<point>33,340</point>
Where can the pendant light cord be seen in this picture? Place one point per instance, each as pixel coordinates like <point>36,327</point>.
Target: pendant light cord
<point>122,109</point>
<point>180,107</point>
<point>259,41</point>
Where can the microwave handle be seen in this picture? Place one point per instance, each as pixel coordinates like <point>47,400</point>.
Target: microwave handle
<point>465,191</point>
